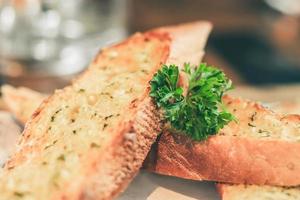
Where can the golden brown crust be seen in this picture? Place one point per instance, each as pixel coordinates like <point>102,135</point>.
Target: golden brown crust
<point>287,107</point>
<point>230,159</point>
<point>21,101</point>
<point>109,164</point>
<point>233,158</point>
<point>130,155</point>
<point>9,134</point>
<point>232,191</point>
<point>129,151</point>
<point>220,189</point>
<point>188,46</point>
<point>107,172</point>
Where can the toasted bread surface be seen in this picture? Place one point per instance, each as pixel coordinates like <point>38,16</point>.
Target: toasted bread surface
<point>236,192</point>
<point>242,152</point>
<point>254,192</point>
<point>2,104</point>
<point>287,107</point>
<point>9,134</point>
<point>88,140</point>
<point>75,129</point>
<point>22,102</point>
<point>227,191</point>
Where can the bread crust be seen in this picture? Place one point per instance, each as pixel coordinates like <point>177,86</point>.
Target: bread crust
<point>107,172</point>
<point>108,165</point>
<point>21,101</point>
<point>9,134</point>
<point>231,159</point>
<point>233,191</point>
<point>147,124</point>
<point>237,192</point>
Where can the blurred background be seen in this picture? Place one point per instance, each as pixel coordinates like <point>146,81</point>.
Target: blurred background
<point>45,43</point>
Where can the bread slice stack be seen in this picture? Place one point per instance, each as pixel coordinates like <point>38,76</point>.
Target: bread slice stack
<point>227,191</point>
<point>261,147</point>
<point>88,140</point>
<point>236,192</point>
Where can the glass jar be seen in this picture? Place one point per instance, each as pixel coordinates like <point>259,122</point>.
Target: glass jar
<point>48,41</point>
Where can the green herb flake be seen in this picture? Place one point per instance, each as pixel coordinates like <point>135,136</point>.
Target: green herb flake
<point>44,163</point>
<point>104,126</point>
<point>263,131</point>
<point>56,112</point>
<point>94,145</point>
<point>107,117</point>
<point>200,113</point>
<point>252,118</point>
<point>61,157</point>
<point>19,194</point>
<point>252,125</point>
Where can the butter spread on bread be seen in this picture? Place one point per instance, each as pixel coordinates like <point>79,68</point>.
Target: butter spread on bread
<point>227,191</point>
<point>255,192</point>
<point>21,101</point>
<point>262,147</point>
<point>249,192</point>
<point>88,140</point>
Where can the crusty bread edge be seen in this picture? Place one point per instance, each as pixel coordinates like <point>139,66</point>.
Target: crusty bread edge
<point>147,134</point>
<point>226,158</point>
<point>86,188</point>
<point>90,189</point>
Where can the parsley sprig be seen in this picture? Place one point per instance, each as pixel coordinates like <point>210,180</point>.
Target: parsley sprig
<point>200,112</point>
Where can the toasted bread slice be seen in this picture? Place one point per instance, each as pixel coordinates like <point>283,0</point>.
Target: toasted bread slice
<point>262,147</point>
<point>2,104</point>
<point>227,191</point>
<point>88,140</point>
<point>287,107</point>
<point>237,192</point>
<point>22,102</point>
<point>254,192</point>
<point>9,134</point>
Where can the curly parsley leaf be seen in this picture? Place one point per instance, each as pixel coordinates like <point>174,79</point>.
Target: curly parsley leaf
<point>200,113</point>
